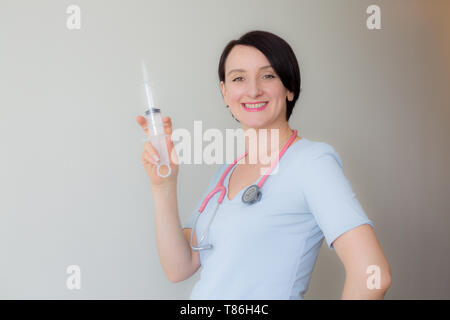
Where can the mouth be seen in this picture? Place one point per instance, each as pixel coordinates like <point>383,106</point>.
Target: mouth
<point>255,106</point>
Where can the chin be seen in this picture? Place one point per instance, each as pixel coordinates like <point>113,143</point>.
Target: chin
<point>255,123</point>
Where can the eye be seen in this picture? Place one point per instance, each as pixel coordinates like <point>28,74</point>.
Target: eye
<point>270,75</point>
<point>237,78</point>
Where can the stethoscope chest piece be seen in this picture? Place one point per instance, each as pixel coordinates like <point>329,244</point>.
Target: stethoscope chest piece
<point>252,194</point>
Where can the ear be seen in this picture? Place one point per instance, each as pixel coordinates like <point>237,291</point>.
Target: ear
<point>290,96</point>
<point>224,90</point>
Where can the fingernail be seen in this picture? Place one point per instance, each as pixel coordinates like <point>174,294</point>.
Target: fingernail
<point>156,158</point>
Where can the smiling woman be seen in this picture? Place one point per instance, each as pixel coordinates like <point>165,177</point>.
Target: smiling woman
<point>264,244</point>
<point>267,249</point>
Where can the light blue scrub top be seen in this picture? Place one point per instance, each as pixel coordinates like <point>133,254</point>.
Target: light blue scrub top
<point>268,250</point>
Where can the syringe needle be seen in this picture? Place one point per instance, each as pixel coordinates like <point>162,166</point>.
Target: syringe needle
<point>148,91</point>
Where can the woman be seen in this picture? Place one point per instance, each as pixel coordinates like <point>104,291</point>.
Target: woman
<point>267,250</point>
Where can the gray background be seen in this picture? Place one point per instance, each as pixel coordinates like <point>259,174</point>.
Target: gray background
<point>73,190</point>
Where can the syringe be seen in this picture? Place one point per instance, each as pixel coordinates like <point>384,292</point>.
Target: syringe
<point>155,126</point>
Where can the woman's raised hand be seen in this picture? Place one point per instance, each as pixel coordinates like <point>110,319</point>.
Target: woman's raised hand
<point>150,156</point>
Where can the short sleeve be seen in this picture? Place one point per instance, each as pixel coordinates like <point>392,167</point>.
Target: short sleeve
<point>329,194</point>
<point>190,221</point>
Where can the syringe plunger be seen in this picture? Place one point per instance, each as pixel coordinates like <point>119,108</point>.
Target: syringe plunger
<point>155,126</point>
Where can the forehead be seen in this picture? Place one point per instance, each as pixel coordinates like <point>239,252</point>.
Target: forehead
<point>246,58</point>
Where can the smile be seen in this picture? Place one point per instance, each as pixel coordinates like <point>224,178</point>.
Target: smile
<point>254,107</point>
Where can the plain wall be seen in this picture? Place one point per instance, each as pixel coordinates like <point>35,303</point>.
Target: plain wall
<point>73,189</point>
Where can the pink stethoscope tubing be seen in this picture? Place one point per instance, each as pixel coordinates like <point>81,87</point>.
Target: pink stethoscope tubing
<point>220,188</point>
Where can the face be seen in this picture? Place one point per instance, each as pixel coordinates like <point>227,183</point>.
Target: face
<point>253,90</point>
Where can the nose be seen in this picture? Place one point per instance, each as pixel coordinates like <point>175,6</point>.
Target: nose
<point>254,88</point>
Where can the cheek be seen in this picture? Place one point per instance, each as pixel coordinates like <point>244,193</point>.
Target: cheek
<point>276,91</point>
<point>236,94</point>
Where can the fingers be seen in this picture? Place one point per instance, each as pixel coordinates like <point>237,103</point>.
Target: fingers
<point>148,159</point>
<point>167,124</point>
<point>151,154</point>
<point>143,123</point>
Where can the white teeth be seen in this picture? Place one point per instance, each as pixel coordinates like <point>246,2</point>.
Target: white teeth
<point>258,105</point>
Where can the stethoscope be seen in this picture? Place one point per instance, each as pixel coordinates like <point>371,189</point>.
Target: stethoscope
<point>251,195</point>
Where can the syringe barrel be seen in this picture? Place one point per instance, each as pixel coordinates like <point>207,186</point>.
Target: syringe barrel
<point>156,134</point>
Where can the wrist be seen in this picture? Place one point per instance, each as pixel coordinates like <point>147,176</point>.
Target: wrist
<point>164,186</point>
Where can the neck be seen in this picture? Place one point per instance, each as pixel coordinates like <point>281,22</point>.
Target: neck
<point>263,143</point>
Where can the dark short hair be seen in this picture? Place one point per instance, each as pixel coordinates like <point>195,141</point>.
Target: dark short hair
<point>280,55</point>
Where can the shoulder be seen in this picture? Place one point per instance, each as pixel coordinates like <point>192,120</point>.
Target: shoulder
<point>321,149</point>
<point>318,153</point>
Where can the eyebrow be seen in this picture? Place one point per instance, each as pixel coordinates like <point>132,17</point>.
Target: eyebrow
<point>242,70</point>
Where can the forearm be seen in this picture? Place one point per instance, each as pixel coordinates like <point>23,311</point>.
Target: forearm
<point>173,249</point>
